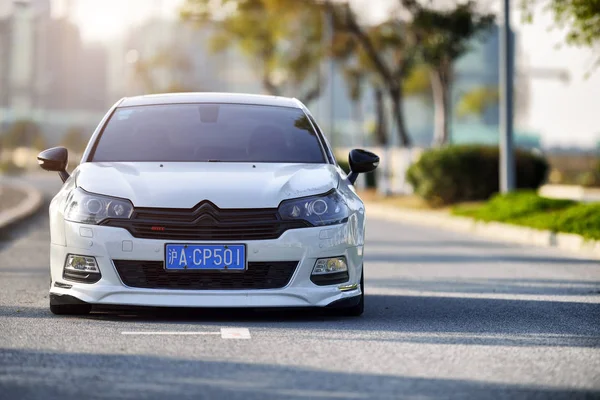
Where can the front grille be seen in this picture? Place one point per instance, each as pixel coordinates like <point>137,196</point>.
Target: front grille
<point>152,275</point>
<point>206,221</point>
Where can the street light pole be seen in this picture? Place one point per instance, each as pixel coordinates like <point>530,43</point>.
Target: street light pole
<point>507,159</point>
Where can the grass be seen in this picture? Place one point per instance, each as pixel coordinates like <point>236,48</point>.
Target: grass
<point>528,209</point>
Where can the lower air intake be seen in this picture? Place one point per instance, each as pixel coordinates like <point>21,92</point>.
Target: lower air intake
<point>152,275</point>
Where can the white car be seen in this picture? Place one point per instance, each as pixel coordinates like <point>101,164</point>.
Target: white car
<point>207,200</point>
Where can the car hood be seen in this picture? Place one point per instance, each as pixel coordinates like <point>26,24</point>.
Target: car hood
<point>227,185</point>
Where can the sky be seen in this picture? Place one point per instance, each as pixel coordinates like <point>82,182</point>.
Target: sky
<point>106,19</point>
<point>564,113</point>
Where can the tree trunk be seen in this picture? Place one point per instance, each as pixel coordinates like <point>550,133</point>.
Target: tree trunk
<point>268,82</point>
<point>269,86</point>
<point>380,127</point>
<point>398,112</point>
<point>312,94</point>
<point>440,86</point>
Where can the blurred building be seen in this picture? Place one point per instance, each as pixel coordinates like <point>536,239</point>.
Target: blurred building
<point>47,74</point>
<point>480,69</point>
<point>50,76</point>
<point>4,59</point>
<point>165,55</point>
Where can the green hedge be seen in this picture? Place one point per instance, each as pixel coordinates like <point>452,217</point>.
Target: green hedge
<point>467,173</point>
<point>371,177</point>
<point>528,209</point>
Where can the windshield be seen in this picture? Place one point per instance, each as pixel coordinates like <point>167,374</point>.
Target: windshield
<point>209,132</point>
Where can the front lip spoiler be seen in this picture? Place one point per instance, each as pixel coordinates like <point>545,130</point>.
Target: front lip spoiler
<point>64,299</point>
<point>345,303</point>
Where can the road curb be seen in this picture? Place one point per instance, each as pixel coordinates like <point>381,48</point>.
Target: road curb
<point>492,230</point>
<point>32,203</point>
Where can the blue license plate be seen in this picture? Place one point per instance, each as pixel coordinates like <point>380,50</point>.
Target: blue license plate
<point>230,257</point>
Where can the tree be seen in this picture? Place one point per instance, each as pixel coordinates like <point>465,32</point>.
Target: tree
<point>357,74</point>
<point>444,36</point>
<point>355,78</point>
<point>418,82</point>
<point>148,71</point>
<point>281,38</point>
<point>386,52</point>
<point>477,100</point>
<point>581,18</point>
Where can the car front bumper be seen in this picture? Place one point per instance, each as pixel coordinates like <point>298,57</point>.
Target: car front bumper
<point>304,245</point>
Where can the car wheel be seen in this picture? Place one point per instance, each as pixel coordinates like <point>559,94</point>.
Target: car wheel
<point>70,309</point>
<point>358,309</point>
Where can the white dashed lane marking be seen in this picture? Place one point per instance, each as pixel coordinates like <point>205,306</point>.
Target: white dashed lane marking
<point>170,333</point>
<point>226,333</point>
<point>235,333</point>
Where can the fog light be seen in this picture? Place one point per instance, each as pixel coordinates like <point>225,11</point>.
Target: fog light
<point>330,271</point>
<point>330,265</point>
<point>82,269</point>
<point>81,263</point>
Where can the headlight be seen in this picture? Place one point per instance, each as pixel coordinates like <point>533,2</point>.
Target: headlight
<point>88,208</point>
<point>318,210</point>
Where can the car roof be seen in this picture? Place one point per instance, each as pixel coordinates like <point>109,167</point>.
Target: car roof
<point>209,97</point>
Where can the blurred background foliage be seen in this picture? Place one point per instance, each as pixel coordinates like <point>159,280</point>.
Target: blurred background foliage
<point>281,39</point>
<point>286,41</point>
<point>477,101</point>
<point>580,19</point>
<point>401,67</point>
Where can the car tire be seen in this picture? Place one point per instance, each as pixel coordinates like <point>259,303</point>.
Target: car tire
<point>358,309</point>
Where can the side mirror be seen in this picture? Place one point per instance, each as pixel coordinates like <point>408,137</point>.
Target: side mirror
<point>361,161</point>
<point>55,159</point>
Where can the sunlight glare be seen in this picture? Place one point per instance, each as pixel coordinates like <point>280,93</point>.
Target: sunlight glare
<point>106,19</point>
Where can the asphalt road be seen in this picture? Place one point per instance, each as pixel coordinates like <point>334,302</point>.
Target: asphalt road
<point>447,316</point>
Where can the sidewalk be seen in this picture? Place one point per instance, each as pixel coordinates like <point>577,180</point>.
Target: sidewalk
<point>493,230</point>
<point>17,201</point>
